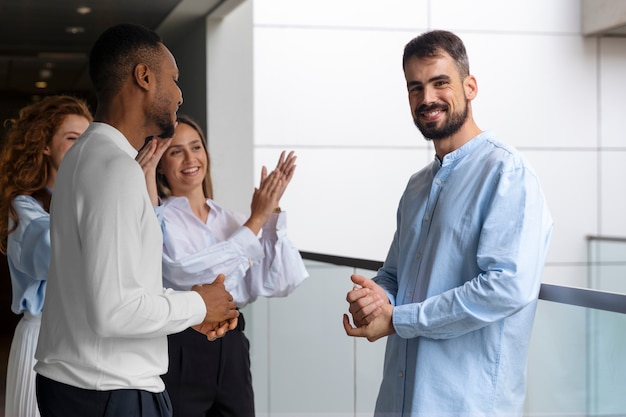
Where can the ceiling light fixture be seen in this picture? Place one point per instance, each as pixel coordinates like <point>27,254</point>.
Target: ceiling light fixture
<point>41,84</point>
<point>83,10</point>
<point>45,73</point>
<point>74,30</point>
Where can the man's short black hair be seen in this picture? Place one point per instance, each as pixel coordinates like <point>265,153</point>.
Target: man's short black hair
<point>117,51</point>
<point>431,44</point>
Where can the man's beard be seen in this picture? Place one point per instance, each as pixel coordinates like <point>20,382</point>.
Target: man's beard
<point>167,128</point>
<point>162,118</point>
<point>453,123</point>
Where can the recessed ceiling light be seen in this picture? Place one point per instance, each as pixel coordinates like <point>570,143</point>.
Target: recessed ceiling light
<point>45,73</point>
<point>75,29</point>
<point>83,10</point>
<point>41,84</point>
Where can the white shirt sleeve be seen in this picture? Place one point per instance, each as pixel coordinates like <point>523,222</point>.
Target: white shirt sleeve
<point>266,265</point>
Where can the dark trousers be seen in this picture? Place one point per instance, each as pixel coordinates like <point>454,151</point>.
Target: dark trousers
<point>56,399</point>
<point>210,379</point>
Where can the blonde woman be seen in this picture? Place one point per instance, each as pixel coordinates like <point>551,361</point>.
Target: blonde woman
<point>202,239</point>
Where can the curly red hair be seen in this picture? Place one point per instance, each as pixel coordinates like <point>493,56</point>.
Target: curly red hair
<point>24,168</point>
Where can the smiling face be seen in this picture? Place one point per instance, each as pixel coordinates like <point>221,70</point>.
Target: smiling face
<point>72,126</point>
<point>184,164</point>
<point>439,99</point>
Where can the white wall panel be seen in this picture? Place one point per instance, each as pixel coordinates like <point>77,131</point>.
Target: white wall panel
<point>576,275</point>
<point>399,14</point>
<point>613,92</point>
<point>344,201</point>
<point>535,91</point>
<point>331,88</point>
<point>229,106</point>
<point>554,16</point>
<point>613,193</point>
<point>569,181</point>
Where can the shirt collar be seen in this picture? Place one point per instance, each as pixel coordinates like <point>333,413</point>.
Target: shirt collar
<point>116,136</point>
<point>464,150</point>
<point>183,202</point>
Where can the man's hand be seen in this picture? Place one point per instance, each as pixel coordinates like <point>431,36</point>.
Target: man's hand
<point>214,331</point>
<point>379,327</point>
<point>221,311</point>
<point>366,300</point>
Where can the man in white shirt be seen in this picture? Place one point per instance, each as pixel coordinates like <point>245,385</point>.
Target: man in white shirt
<point>103,343</point>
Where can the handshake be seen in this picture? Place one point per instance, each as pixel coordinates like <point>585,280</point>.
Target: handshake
<point>221,311</point>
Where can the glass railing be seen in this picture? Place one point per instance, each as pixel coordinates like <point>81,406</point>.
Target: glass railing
<point>607,263</point>
<point>577,358</point>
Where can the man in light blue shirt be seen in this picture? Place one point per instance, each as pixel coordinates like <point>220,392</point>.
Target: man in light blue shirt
<point>458,291</point>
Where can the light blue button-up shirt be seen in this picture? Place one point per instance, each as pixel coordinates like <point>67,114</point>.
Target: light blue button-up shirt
<point>463,272</point>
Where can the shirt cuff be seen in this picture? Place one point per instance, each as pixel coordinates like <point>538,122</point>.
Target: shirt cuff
<point>276,224</point>
<point>248,243</point>
<point>197,307</point>
<point>404,319</point>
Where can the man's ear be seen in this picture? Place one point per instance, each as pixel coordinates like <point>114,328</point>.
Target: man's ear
<point>143,76</point>
<point>471,87</point>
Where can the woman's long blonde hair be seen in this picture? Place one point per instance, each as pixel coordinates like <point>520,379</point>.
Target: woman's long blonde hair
<point>24,169</point>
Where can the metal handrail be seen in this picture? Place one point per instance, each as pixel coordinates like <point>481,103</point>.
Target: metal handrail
<point>607,238</point>
<point>583,297</point>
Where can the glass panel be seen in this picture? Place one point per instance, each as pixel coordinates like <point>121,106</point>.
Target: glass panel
<point>557,371</point>
<point>311,360</point>
<point>607,364</point>
<point>576,364</point>
<point>607,265</point>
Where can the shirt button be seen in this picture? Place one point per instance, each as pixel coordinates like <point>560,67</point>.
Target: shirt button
<point>418,255</point>
<point>427,217</point>
<point>438,182</point>
<point>401,374</point>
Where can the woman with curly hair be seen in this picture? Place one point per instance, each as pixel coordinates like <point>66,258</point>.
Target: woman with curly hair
<point>30,156</point>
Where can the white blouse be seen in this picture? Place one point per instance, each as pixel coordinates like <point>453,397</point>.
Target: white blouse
<point>267,265</point>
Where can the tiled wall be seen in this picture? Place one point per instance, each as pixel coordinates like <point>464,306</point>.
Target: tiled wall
<point>328,83</point>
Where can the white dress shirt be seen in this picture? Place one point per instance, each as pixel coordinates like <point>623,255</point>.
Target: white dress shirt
<point>194,252</point>
<point>106,314</point>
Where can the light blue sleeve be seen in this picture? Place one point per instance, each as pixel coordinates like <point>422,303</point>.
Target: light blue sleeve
<point>511,252</point>
<point>29,256</point>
